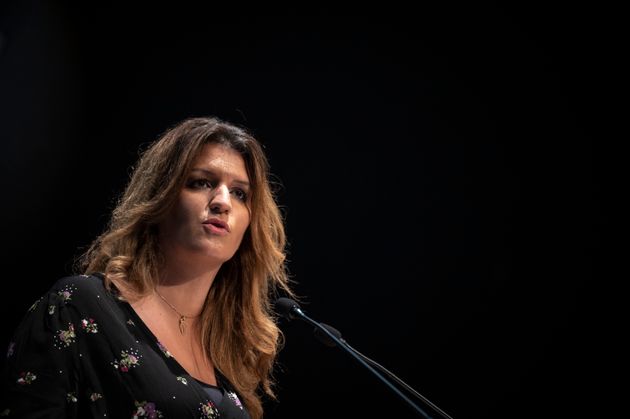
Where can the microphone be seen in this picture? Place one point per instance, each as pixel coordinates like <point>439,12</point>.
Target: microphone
<point>290,309</point>
<point>330,336</point>
<point>287,308</point>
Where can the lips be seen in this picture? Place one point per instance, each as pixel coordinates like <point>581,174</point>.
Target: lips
<point>217,223</point>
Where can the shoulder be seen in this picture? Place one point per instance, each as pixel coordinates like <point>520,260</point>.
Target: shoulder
<point>69,300</point>
<point>80,291</point>
<point>79,285</point>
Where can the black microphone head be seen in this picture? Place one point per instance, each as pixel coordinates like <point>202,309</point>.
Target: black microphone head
<point>285,306</point>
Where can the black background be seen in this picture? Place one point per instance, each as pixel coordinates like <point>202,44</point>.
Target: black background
<point>441,176</point>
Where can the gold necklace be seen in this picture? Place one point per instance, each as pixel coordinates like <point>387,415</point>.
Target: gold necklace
<point>182,318</point>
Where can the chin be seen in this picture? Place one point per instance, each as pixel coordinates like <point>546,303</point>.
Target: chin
<point>217,256</point>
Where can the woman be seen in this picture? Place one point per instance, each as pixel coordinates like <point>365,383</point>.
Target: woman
<point>172,315</point>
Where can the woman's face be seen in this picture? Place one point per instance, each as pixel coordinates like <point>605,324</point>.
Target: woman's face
<point>212,212</point>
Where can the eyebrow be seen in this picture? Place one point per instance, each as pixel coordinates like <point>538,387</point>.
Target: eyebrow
<point>240,182</point>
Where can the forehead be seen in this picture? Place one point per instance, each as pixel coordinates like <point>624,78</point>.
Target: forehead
<point>220,158</point>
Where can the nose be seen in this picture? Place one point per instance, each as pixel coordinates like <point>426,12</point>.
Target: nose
<point>220,201</point>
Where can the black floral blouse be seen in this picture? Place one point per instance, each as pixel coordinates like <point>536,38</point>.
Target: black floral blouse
<point>81,352</point>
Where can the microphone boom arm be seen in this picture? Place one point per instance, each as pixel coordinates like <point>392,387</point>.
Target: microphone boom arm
<point>399,381</point>
<point>296,310</point>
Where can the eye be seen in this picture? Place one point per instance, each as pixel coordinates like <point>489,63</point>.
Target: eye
<point>199,183</point>
<point>240,194</point>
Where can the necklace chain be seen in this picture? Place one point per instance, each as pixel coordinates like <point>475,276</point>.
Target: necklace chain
<point>182,318</point>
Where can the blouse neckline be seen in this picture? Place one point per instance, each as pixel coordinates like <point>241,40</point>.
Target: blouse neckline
<point>157,345</point>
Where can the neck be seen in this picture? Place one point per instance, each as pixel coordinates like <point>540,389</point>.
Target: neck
<point>185,290</point>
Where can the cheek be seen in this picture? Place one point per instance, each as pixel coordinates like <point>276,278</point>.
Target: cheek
<point>242,224</point>
<point>181,215</point>
<point>190,205</point>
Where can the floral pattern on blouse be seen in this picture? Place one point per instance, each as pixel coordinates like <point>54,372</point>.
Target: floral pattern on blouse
<point>146,410</point>
<point>164,350</point>
<point>89,326</point>
<point>95,396</point>
<point>128,359</point>
<point>26,377</point>
<point>182,380</point>
<point>66,292</point>
<point>34,305</point>
<point>235,399</point>
<point>208,410</point>
<point>72,397</point>
<point>65,338</point>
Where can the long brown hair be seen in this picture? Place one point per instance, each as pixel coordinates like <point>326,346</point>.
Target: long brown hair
<point>238,327</point>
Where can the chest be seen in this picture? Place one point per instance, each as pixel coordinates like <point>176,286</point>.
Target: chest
<point>126,368</point>
<point>185,348</point>
<point>191,357</point>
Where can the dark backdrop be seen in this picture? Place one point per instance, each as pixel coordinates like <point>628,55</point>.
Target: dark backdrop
<point>439,174</point>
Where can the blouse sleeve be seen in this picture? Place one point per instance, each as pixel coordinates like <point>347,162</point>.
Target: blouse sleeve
<point>41,373</point>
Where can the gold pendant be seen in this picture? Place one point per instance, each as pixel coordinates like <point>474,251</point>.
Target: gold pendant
<point>182,321</point>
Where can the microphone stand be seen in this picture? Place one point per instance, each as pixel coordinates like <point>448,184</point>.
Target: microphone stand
<point>399,381</point>
<point>340,344</point>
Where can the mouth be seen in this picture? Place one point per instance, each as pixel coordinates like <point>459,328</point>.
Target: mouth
<point>217,224</point>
